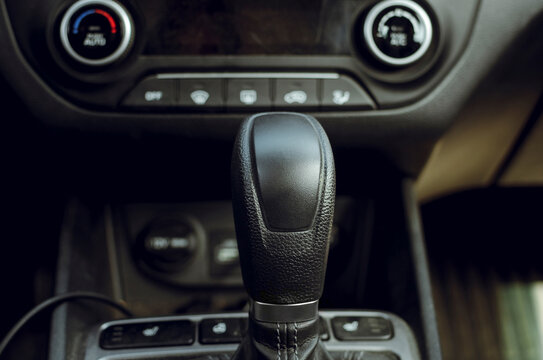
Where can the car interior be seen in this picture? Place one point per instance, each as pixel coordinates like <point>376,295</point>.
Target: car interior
<point>274,180</point>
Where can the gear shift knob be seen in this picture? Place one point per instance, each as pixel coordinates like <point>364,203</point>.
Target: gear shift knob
<point>283,188</point>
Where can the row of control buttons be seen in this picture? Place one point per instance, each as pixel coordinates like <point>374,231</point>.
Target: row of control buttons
<point>229,330</point>
<point>249,93</point>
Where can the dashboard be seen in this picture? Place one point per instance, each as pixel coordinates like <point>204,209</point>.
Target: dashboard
<point>156,55</point>
<point>96,44</point>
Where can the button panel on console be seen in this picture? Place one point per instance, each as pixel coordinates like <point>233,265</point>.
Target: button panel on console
<point>349,335</point>
<point>249,92</point>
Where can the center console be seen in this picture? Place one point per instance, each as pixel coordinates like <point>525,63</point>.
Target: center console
<point>199,309</point>
<point>185,259</point>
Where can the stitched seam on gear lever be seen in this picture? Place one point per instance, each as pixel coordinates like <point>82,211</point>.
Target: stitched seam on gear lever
<point>295,341</point>
<point>278,343</point>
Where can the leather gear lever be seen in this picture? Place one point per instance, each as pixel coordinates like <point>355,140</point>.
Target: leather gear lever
<point>283,189</point>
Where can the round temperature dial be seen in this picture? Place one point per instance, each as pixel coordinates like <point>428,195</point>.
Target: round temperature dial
<point>96,32</point>
<point>398,32</point>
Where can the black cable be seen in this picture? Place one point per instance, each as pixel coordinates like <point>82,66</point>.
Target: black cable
<point>54,302</point>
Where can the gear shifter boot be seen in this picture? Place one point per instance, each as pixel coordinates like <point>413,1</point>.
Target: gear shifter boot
<point>283,190</point>
<point>283,341</point>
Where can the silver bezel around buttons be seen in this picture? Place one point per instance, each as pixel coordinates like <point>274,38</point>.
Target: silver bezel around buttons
<point>125,22</point>
<point>424,19</point>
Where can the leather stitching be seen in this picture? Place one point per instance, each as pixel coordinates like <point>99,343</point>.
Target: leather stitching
<point>295,341</point>
<point>278,343</point>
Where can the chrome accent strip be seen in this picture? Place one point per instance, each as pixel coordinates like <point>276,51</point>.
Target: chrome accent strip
<point>285,312</point>
<point>248,75</point>
<point>424,19</point>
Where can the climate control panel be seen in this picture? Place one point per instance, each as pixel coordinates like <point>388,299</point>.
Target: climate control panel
<point>249,91</point>
<point>180,57</point>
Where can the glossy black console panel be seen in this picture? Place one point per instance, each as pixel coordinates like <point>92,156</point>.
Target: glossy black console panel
<point>241,27</point>
<point>398,342</point>
<point>147,242</point>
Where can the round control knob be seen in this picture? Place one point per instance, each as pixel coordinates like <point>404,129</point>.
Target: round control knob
<point>96,32</point>
<point>398,32</point>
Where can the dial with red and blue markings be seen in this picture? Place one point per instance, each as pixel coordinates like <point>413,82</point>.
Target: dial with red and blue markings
<point>96,32</point>
<point>87,13</point>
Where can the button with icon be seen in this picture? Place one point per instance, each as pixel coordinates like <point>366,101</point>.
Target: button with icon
<point>222,331</point>
<point>295,97</point>
<point>248,97</point>
<point>345,92</point>
<point>248,93</point>
<point>148,334</point>
<point>361,328</point>
<point>296,93</point>
<point>200,93</point>
<point>199,97</point>
<point>151,331</point>
<point>152,92</point>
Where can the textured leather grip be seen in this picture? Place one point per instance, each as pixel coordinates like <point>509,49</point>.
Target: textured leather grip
<point>283,188</point>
